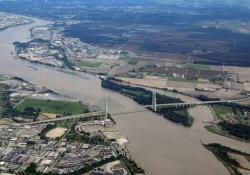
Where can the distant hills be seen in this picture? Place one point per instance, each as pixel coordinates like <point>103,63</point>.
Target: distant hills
<point>193,3</point>
<point>206,2</point>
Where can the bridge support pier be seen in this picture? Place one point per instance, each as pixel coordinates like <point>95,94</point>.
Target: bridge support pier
<point>106,107</point>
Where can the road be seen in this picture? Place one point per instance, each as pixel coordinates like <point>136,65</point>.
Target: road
<point>71,117</point>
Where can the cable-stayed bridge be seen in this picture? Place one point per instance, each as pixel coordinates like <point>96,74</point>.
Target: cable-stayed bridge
<point>154,106</point>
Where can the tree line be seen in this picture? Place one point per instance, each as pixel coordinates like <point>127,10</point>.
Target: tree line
<point>144,97</point>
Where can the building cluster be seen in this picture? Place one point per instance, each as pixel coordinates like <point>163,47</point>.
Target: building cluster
<point>8,20</point>
<point>75,49</point>
<point>50,46</point>
<point>41,51</point>
<point>106,170</point>
<point>43,32</point>
<point>185,73</point>
<point>77,52</point>
<point>21,146</point>
<point>18,88</point>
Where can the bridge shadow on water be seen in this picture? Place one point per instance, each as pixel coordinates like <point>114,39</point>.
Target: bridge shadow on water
<point>129,112</point>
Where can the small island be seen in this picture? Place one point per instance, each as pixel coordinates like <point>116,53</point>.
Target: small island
<point>144,97</point>
<point>237,162</point>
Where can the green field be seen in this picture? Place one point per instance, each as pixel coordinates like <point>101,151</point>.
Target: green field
<point>197,66</point>
<point>87,64</point>
<point>221,110</point>
<point>128,59</point>
<point>55,107</point>
<point>68,72</point>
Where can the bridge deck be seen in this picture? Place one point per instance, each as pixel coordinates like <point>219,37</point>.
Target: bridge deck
<point>71,117</point>
<point>103,113</point>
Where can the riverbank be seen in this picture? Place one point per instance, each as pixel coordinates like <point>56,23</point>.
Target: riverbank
<point>168,145</point>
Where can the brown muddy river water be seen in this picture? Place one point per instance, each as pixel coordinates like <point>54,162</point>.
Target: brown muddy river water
<point>159,146</point>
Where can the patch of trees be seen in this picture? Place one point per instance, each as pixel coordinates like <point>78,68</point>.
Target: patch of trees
<point>31,169</point>
<point>206,98</point>
<point>144,97</point>
<point>8,111</point>
<point>177,116</point>
<point>238,130</point>
<point>30,111</point>
<point>131,165</point>
<point>85,137</point>
<point>88,168</point>
<point>237,107</point>
<point>46,130</point>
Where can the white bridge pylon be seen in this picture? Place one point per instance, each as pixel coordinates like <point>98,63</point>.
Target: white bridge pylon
<point>153,106</point>
<point>106,106</point>
<point>154,101</point>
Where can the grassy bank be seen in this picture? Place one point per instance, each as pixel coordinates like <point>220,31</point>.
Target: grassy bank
<point>128,59</point>
<point>51,106</point>
<point>87,63</point>
<point>222,110</point>
<point>218,130</point>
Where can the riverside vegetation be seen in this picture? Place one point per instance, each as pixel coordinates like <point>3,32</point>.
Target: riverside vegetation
<point>144,97</point>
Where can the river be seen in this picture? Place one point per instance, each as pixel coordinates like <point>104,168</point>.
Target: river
<point>158,145</point>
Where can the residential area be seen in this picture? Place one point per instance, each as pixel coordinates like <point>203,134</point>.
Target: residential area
<point>23,149</point>
<point>66,146</point>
